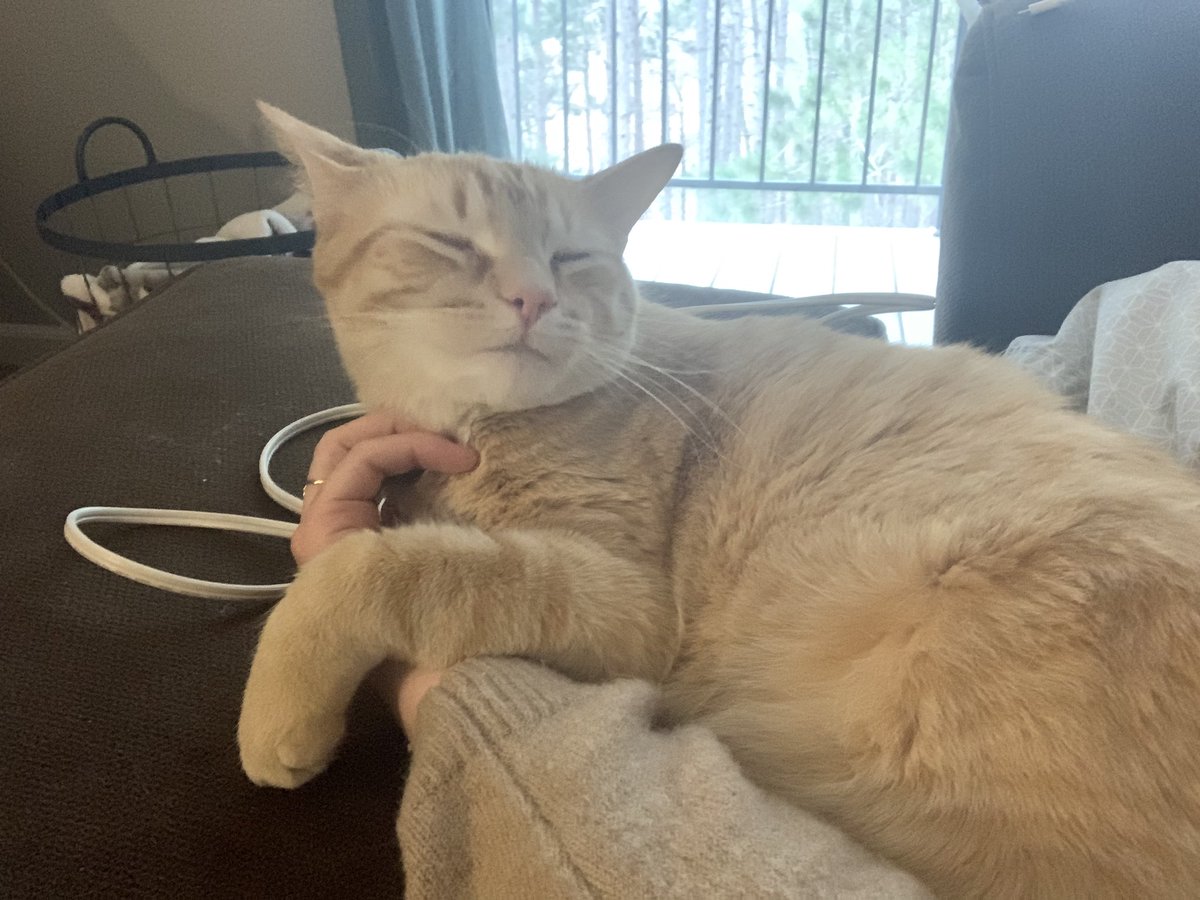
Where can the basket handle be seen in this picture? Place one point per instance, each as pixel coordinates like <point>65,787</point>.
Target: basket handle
<point>86,135</point>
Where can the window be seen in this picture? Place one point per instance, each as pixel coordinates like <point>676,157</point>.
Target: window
<point>823,118</point>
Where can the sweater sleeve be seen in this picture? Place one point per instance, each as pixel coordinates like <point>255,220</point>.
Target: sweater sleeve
<point>526,784</point>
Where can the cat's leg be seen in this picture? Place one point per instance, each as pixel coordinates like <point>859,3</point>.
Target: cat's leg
<point>433,595</point>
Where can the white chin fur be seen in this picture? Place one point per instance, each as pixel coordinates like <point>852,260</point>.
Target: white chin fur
<point>439,392</point>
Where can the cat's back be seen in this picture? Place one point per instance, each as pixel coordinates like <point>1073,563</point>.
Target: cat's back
<point>961,622</point>
<point>821,419</point>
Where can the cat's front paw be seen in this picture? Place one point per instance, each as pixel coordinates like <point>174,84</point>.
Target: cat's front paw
<point>294,707</point>
<point>318,644</point>
<point>282,743</point>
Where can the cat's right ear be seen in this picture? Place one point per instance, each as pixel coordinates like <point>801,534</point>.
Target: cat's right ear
<point>621,193</point>
<point>325,162</point>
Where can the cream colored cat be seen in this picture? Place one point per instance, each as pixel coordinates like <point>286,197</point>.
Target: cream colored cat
<point>906,589</point>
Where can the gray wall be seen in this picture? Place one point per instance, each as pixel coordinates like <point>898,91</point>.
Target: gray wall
<point>187,71</point>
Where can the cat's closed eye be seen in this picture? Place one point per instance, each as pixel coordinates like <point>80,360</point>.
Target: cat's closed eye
<point>455,242</point>
<point>562,257</point>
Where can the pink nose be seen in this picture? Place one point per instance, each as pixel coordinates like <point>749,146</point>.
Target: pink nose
<point>531,305</point>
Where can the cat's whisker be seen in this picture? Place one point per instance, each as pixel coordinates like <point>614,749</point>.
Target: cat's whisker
<point>617,360</point>
<point>707,438</point>
<point>656,343</point>
<point>619,384</point>
<point>691,390</point>
<point>383,316</point>
<point>687,428</point>
<point>620,358</point>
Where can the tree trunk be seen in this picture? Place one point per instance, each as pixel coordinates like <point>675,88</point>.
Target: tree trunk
<point>541,94</point>
<point>731,106</point>
<point>704,44</point>
<point>629,60</point>
<point>587,109</point>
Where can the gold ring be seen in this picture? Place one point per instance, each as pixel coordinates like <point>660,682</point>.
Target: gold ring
<point>312,482</point>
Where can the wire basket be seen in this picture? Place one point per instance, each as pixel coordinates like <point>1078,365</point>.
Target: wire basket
<point>126,233</point>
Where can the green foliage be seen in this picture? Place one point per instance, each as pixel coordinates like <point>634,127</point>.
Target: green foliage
<point>718,87</point>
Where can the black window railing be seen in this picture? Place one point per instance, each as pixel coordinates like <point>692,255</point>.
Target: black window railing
<point>816,111</point>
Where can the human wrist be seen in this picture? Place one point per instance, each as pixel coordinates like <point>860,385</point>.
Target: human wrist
<point>492,697</point>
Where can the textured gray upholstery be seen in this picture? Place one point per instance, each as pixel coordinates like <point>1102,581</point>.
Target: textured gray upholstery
<point>1073,160</point>
<point>118,762</point>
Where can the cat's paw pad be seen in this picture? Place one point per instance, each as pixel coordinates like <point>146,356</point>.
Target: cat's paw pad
<point>278,751</point>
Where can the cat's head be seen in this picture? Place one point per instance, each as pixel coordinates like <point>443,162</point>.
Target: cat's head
<point>459,284</point>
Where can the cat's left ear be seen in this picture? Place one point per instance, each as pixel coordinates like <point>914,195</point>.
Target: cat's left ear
<point>325,162</point>
<point>621,193</point>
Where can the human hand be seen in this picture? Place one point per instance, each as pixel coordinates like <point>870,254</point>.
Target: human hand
<point>403,688</point>
<point>351,463</point>
<point>348,468</point>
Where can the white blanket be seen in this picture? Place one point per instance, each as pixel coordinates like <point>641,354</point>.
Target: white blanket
<point>1129,354</point>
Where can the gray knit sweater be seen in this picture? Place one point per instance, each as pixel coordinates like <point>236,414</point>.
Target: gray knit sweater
<point>525,784</point>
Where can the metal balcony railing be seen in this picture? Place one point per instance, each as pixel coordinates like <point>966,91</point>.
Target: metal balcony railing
<point>822,97</point>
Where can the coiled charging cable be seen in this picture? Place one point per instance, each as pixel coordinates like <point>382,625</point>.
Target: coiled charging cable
<point>196,587</point>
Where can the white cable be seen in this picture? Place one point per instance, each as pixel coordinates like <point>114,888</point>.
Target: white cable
<point>883,307</point>
<point>1041,6</point>
<point>848,306</point>
<point>168,581</point>
<point>291,502</point>
<point>195,587</point>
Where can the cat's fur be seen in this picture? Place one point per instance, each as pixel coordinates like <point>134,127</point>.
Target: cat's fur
<point>906,589</point>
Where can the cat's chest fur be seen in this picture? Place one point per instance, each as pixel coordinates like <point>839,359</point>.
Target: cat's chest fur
<point>607,465</point>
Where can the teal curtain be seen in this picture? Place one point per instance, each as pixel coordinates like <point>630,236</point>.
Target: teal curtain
<point>422,75</point>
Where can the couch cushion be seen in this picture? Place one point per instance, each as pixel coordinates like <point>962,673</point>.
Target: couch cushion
<point>118,759</point>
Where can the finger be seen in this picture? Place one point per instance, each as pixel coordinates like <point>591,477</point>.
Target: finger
<point>336,442</point>
<point>360,473</point>
<point>347,498</point>
<point>402,688</point>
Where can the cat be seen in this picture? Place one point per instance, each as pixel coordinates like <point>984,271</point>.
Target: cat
<point>908,590</point>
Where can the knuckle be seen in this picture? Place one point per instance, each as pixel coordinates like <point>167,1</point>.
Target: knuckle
<point>328,441</point>
<point>301,545</point>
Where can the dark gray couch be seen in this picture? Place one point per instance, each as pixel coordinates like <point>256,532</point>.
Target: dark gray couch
<point>118,764</point>
<point>1073,159</point>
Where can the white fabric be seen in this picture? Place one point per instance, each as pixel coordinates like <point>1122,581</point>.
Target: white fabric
<point>100,297</point>
<point>260,223</point>
<point>1129,354</point>
<point>970,10</point>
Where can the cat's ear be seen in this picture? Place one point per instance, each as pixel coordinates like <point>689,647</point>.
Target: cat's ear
<point>621,193</point>
<point>326,163</point>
